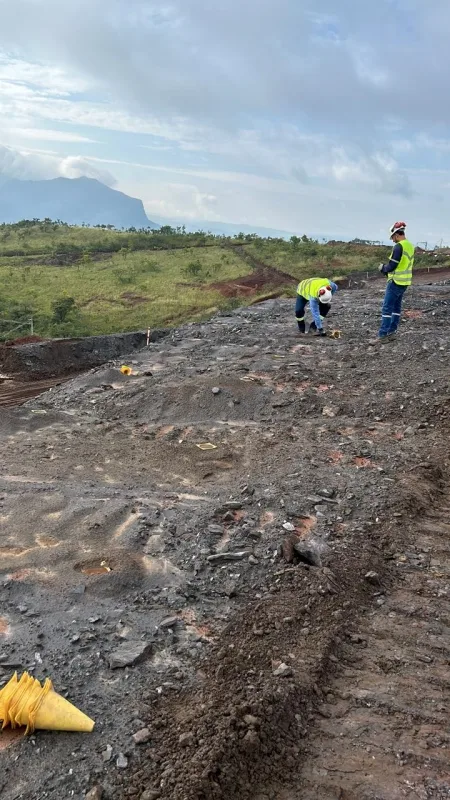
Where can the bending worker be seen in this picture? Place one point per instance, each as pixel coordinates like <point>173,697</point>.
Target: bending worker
<point>399,276</point>
<point>318,292</point>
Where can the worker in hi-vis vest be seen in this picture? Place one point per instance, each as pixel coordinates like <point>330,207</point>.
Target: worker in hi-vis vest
<point>399,275</point>
<point>318,292</point>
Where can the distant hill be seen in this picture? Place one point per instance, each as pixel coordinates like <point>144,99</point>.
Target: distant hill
<point>234,228</point>
<point>76,201</point>
<point>222,228</point>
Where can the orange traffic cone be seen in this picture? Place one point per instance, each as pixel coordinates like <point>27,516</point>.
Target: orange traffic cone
<point>25,702</point>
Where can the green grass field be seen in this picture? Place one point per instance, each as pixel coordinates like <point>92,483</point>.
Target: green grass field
<point>47,238</point>
<point>122,292</point>
<point>305,259</point>
<point>85,281</point>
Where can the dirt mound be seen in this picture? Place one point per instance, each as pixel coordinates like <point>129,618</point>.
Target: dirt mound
<point>24,340</point>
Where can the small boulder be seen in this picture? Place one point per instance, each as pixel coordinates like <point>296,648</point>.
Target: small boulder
<point>142,737</point>
<point>308,554</point>
<point>128,654</point>
<point>283,671</point>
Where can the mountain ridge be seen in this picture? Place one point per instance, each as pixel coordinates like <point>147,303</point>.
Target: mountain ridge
<point>76,201</point>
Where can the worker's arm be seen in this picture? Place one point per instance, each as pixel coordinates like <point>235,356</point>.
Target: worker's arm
<point>315,311</point>
<point>334,287</point>
<point>395,259</point>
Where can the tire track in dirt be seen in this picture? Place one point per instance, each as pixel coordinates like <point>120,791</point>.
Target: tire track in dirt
<point>15,393</point>
<point>382,732</point>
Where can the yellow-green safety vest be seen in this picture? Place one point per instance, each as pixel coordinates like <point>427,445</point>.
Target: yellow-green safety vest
<point>309,288</point>
<point>402,274</point>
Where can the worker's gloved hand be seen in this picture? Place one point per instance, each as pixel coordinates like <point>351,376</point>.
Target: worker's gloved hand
<point>381,268</point>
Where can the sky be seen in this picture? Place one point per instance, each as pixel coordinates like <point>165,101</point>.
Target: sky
<point>324,116</point>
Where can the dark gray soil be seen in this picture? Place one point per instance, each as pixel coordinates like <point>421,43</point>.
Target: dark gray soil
<point>235,574</point>
<point>65,356</point>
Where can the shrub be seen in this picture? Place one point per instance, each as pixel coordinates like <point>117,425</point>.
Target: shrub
<point>61,308</point>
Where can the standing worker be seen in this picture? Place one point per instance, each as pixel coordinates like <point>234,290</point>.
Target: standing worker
<point>318,292</point>
<point>399,276</point>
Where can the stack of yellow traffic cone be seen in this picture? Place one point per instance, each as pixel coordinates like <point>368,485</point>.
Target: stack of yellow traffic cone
<point>25,702</point>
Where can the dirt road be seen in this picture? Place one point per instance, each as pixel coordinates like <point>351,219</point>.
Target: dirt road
<point>213,609</point>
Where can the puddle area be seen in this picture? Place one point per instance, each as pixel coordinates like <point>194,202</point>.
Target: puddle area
<point>94,568</point>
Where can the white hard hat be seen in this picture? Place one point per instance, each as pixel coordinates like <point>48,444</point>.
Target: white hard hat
<point>325,294</point>
<point>397,227</point>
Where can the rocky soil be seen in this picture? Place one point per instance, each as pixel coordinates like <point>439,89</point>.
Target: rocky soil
<point>28,360</point>
<point>221,610</point>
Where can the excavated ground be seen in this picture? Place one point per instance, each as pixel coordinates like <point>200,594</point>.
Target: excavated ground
<point>14,390</point>
<point>281,599</point>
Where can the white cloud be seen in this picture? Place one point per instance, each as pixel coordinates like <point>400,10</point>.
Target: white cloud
<point>14,164</point>
<point>51,79</point>
<point>181,200</point>
<point>77,167</point>
<point>44,135</point>
<point>41,165</point>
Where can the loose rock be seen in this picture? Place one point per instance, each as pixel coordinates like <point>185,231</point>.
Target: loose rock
<point>142,737</point>
<point>122,761</point>
<point>216,530</point>
<point>326,492</point>
<point>107,754</point>
<point>308,554</point>
<point>222,558</point>
<point>128,654</point>
<point>251,740</point>
<point>251,721</point>
<point>283,671</point>
<point>96,793</point>
<point>169,622</point>
<point>186,740</point>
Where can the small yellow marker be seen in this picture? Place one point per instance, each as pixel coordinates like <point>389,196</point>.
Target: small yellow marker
<point>126,370</point>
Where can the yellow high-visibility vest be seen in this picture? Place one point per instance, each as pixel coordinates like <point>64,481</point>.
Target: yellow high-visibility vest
<point>309,288</point>
<point>402,274</point>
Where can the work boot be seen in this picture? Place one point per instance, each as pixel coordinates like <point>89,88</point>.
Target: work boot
<point>301,327</point>
<point>381,340</point>
<point>388,338</point>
